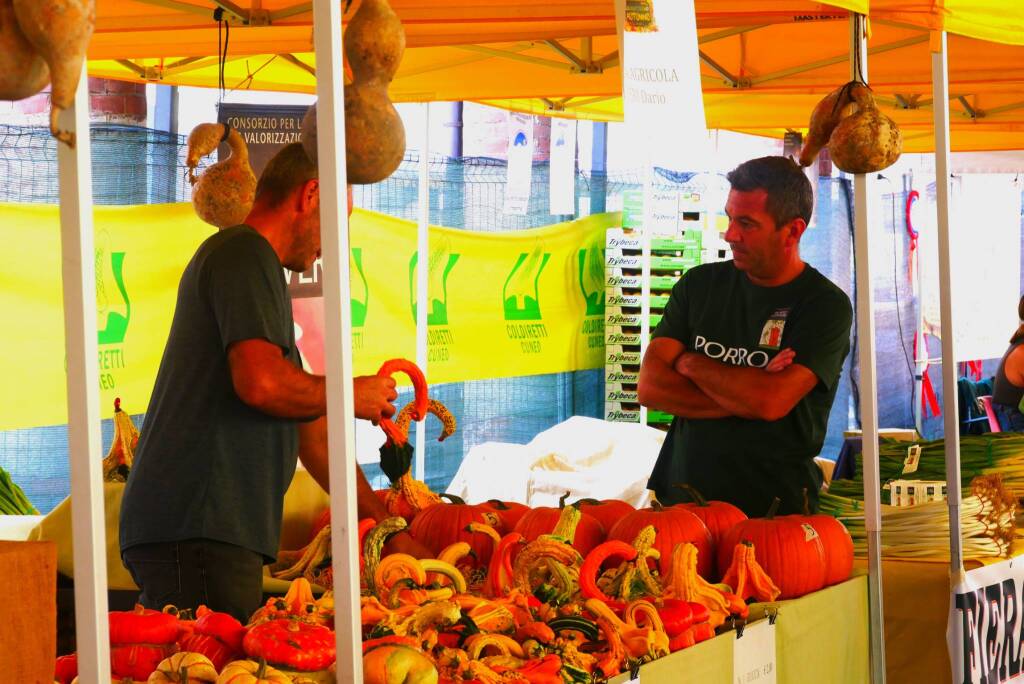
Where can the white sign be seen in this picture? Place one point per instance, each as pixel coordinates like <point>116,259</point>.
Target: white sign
<point>984,632</point>
<point>753,655</point>
<point>562,167</point>
<point>662,98</point>
<point>520,163</point>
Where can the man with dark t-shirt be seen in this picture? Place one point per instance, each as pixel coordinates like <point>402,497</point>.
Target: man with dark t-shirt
<point>232,408</point>
<point>748,355</point>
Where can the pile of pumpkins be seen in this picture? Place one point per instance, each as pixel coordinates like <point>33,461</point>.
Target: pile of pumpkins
<point>289,640</point>
<point>802,553</point>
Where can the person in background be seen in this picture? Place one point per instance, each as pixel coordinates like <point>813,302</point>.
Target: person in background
<point>1008,388</point>
<point>748,355</point>
<point>232,409</point>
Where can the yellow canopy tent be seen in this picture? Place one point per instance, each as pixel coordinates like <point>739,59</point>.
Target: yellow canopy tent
<point>560,57</point>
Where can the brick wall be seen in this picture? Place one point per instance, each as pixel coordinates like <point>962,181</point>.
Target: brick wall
<point>109,102</point>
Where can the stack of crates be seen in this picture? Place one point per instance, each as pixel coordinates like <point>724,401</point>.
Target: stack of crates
<point>673,252</point>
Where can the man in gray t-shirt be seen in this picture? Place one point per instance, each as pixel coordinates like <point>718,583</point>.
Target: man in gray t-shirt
<point>232,409</point>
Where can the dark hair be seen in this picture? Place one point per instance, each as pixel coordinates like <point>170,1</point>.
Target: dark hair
<point>789,191</point>
<point>287,170</point>
<point>1019,335</point>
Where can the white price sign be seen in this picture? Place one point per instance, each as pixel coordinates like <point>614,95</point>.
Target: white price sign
<point>753,655</point>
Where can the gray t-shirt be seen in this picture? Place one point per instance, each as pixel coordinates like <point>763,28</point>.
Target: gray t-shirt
<point>207,465</point>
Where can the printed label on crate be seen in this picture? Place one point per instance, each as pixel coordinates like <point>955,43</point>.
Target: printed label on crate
<point>622,338</point>
<point>620,376</point>
<point>663,282</point>
<point>616,280</point>
<point>753,656</point>
<point>663,263</point>
<point>617,415</point>
<point>621,395</point>
<point>632,319</point>
<point>632,208</point>
<point>623,357</point>
<point>659,417</point>
<point>628,300</point>
<point>623,242</point>
<point>628,261</point>
<point>657,301</point>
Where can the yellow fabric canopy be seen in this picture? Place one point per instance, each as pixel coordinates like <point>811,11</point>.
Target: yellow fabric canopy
<point>765,63</point>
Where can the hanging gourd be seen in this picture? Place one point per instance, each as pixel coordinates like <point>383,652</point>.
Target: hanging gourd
<point>223,194</point>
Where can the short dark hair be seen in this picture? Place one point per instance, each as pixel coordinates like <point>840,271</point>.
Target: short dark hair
<point>287,170</point>
<point>789,191</point>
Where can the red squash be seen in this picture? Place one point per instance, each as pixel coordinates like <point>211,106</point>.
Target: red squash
<point>442,524</point>
<point>66,669</point>
<point>789,549</point>
<point>138,660</point>
<point>718,516</point>
<point>672,526</point>
<point>607,511</point>
<point>542,520</point>
<point>139,640</point>
<point>218,636</point>
<point>510,512</point>
<point>291,643</point>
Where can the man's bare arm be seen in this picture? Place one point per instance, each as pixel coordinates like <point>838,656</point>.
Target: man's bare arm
<point>748,392</point>
<point>662,388</point>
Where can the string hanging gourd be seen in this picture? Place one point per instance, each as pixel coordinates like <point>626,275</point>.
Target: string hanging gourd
<point>23,72</point>
<point>118,461</point>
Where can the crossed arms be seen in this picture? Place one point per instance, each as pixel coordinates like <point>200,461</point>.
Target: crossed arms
<point>691,385</point>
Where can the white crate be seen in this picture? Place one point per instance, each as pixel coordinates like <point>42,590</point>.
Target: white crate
<point>616,280</point>
<point>614,375</point>
<point>616,337</point>
<point>621,394</point>
<point>622,318</point>
<point>619,355</point>
<point>616,414</point>
<point>612,262</point>
<point>617,301</point>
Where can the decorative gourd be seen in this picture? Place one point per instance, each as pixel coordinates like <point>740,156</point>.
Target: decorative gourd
<point>23,72</point>
<point>443,524</point>
<point>59,32</point>
<point>184,668</point>
<point>788,548</point>
<point>606,511</point>
<point>218,636</point>
<point>509,512</point>
<point>717,516</point>
<point>867,140</point>
<point>824,119</point>
<point>142,626</point>
<point>674,525</point>
<point>291,643</point>
<point>251,672</point>
<point>224,193</point>
<point>543,519</point>
<point>298,602</point>
<point>66,668</point>
<point>393,663</point>
<point>137,661</point>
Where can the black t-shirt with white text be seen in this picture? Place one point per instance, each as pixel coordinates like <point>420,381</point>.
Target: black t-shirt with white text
<point>717,311</point>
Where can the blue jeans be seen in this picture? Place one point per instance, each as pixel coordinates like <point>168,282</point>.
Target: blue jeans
<point>195,572</point>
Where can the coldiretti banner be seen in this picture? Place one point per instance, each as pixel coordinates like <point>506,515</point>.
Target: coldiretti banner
<point>501,304</point>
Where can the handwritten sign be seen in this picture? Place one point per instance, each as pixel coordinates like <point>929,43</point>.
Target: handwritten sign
<point>985,630</point>
<point>753,655</point>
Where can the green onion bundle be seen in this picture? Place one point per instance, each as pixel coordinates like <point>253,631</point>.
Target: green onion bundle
<point>12,500</point>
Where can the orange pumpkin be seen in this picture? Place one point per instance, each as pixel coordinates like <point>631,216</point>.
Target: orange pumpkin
<point>542,520</point>
<point>443,524</point>
<point>672,526</point>
<point>718,516</point>
<point>509,512</point>
<point>789,549</point>
<point>838,547</point>
<point>607,511</point>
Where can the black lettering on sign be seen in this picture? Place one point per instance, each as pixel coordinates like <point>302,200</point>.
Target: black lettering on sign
<point>993,645</point>
<point>967,604</point>
<point>1008,663</point>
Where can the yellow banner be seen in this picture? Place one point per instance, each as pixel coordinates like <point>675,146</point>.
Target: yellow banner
<point>501,304</point>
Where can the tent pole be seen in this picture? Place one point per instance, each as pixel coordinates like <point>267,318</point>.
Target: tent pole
<point>940,88</point>
<point>862,188</point>
<point>338,337</point>
<point>422,271</point>
<point>78,271</point>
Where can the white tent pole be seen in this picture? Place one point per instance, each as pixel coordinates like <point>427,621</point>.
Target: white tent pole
<point>338,337</point>
<point>78,271</point>
<point>940,90</point>
<point>862,188</point>
<point>422,271</point>
<point>645,263</point>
